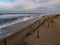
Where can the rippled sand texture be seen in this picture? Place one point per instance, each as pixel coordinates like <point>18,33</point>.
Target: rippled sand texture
<point>49,33</point>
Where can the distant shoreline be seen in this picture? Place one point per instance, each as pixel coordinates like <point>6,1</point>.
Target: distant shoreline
<point>21,13</point>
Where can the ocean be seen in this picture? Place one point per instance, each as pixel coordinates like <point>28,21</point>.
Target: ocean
<point>4,19</point>
<point>9,24</point>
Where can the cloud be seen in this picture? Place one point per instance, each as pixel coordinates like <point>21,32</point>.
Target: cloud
<point>28,5</point>
<point>23,5</point>
<point>52,3</point>
<point>31,6</point>
<point>6,6</point>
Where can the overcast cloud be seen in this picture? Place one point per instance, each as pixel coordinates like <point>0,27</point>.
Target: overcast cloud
<point>30,6</point>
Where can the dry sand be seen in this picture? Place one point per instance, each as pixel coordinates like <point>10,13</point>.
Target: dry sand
<point>47,35</point>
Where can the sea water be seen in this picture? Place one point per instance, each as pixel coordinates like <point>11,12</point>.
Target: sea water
<point>10,24</point>
<point>4,19</point>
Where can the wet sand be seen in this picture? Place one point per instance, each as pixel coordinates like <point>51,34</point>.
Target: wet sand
<point>49,33</point>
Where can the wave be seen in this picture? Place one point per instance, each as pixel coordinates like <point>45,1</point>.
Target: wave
<point>12,21</point>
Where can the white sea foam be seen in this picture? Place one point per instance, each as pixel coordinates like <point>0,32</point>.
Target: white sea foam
<point>17,21</point>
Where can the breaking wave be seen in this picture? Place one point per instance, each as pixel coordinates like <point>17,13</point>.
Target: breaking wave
<point>9,20</point>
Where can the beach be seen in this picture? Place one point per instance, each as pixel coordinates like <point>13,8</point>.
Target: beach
<point>43,30</point>
<point>47,35</point>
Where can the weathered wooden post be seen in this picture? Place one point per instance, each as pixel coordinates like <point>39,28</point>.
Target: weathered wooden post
<point>38,34</point>
<point>47,22</point>
<point>5,41</point>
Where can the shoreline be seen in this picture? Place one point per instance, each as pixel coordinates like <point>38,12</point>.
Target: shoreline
<point>22,30</point>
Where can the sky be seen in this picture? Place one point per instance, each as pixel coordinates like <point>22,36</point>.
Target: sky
<point>29,6</point>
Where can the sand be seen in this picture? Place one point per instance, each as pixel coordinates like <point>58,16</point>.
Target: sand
<point>49,33</point>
